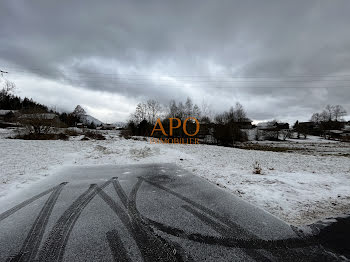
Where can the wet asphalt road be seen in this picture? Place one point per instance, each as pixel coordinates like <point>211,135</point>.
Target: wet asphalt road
<point>142,213</point>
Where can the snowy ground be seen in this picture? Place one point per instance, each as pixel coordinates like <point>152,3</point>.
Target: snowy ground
<point>312,145</point>
<point>298,188</point>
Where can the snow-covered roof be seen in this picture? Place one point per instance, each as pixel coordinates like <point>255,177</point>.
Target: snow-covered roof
<point>4,112</point>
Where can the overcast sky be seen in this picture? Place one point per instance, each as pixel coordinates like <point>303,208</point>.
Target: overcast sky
<point>280,59</point>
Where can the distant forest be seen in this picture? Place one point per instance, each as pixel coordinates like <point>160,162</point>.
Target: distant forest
<point>9,101</point>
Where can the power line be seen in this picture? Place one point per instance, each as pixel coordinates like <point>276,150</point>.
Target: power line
<point>275,78</point>
<point>86,81</point>
<point>123,82</point>
<point>209,80</point>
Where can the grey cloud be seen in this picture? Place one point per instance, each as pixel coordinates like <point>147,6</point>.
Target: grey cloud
<point>118,47</point>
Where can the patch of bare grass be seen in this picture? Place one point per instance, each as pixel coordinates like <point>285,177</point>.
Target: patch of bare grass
<point>267,148</point>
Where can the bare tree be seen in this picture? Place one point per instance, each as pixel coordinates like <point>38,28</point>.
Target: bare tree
<point>236,114</point>
<point>329,111</point>
<point>206,110</point>
<point>153,110</point>
<point>39,122</point>
<point>149,110</point>
<point>196,112</point>
<point>239,113</point>
<point>173,110</point>
<point>188,108</point>
<point>181,111</point>
<point>338,112</point>
<point>324,116</point>
<point>140,113</point>
<point>8,87</point>
<point>316,118</point>
<point>220,118</point>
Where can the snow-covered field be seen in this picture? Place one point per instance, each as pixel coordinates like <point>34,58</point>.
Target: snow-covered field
<point>298,188</point>
<point>311,146</point>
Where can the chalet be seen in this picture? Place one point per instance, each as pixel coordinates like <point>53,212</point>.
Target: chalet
<point>274,127</point>
<point>6,113</point>
<point>327,128</point>
<point>44,118</point>
<point>269,131</point>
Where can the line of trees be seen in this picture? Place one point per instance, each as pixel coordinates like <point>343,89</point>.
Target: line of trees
<point>183,111</point>
<point>37,120</point>
<point>330,113</point>
<point>331,118</point>
<point>149,110</point>
<point>225,127</point>
<point>11,102</point>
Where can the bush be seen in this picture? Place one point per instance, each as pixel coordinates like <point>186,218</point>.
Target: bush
<point>144,128</point>
<point>62,137</point>
<point>228,134</point>
<point>33,136</point>
<point>125,133</point>
<point>257,168</point>
<point>71,132</point>
<point>345,139</point>
<point>94,135</point>
<point>222,135</point>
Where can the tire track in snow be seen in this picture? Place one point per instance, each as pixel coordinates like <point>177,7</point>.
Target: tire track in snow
<point>32,242</point>
<point>54,247</point>
<point>158,249</point>
<point>151,246</point>
<point>116,245</point>
<point>224,231</point>
<point>249,241</point>
<point>24,204</point>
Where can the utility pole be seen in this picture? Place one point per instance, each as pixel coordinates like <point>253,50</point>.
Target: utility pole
<point>3,72</point>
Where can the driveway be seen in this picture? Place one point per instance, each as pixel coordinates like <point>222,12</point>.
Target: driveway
<point>142,213</point>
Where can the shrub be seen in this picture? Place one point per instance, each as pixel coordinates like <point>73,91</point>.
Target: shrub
<point>257,168</point>
<point>125,133</point>
<point>228,134</point>
<point>345,139</point>
<point>94,135</point>
<point>33,136</point>
<point>71,132</point>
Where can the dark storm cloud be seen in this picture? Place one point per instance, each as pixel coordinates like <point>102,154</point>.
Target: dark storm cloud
<point>171,49</point>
